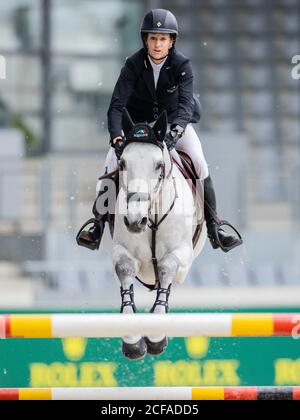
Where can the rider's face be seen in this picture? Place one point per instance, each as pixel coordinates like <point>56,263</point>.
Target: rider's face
<point>158,45</point>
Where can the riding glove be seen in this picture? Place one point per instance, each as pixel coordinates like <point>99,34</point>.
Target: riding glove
<point>173,136</point>
<point>119,147</point>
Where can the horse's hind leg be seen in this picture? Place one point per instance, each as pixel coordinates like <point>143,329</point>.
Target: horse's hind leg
<point>126,269</point>
<point>167,270</point>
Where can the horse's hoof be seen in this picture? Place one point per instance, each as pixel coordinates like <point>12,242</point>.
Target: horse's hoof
<point>135,351</point>
<point>156,348</point>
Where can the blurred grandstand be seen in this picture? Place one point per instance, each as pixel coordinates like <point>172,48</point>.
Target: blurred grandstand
<point>63,58</point>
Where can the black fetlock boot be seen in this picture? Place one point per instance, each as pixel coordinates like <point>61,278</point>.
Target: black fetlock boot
<point>218,238</point>
<point>91,238</point>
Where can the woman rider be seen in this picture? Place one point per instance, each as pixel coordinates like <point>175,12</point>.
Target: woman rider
<point>158,78</point>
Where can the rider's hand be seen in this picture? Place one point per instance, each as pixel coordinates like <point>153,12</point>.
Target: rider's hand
<point>173,136</point>
<point>118,144</point>
<point>114,141</point>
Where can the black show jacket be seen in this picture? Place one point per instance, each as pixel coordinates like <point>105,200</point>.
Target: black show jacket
<point>136,91</point>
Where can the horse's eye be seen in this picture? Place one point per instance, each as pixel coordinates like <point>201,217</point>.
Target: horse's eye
<point>159,166</point>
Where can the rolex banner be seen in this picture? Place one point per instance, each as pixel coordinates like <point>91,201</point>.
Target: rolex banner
<point>195,361</point>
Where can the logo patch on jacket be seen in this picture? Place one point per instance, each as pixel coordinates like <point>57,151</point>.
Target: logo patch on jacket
<point>141,133</point>
<point>172,89</point>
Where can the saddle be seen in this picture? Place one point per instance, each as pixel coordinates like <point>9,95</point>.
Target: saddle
<point>188,170</point>
<point>186,167</point>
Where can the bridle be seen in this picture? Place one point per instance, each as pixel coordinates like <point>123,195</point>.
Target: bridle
<point>154,224</point>
<point>147,197</point>
<point>157,191</point>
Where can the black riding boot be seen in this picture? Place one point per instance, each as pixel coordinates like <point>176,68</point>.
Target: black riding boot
<point>218,238</point>
<point>91,238</point>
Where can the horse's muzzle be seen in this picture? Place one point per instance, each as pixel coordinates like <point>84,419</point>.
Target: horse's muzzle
<point>137,226</point>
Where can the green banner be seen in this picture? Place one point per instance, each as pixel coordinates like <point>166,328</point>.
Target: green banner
<point>195,361</point>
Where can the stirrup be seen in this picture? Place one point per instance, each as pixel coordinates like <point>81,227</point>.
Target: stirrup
<point>215,238</point>
<point>93,245</point>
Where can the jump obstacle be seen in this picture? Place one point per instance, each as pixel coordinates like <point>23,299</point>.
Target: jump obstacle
<point>172,325</point>
<point>158,393</point>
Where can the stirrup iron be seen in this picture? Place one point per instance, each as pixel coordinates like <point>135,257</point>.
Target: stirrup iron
<point>93,245</point>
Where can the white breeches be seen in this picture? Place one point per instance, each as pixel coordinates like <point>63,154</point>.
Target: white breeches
<point>189,143</point>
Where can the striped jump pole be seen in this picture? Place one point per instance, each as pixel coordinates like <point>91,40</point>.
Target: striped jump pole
<point>171,325</point>
<point>159,393</point>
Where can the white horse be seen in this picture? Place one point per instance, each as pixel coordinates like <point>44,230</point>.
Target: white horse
<point>153,237</point>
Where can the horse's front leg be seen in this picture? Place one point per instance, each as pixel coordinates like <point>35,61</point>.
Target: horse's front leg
<point>127,267</point>
<point>167,271</point>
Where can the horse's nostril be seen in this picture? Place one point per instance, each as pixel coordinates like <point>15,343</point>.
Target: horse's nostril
<point>136,226</point>
<point>144,221</point>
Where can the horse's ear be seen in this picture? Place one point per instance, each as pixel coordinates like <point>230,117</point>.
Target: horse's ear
<point>160,127</point>
<point>127,123</point>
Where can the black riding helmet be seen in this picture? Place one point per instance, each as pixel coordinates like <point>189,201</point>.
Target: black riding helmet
<point>159,21</point>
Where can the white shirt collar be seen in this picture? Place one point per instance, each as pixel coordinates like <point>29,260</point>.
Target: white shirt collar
<point>156,66</point>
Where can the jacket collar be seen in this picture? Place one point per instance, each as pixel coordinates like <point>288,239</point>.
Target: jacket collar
<point>148,74</point>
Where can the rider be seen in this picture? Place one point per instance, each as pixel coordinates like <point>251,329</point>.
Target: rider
<point>158,78</point>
